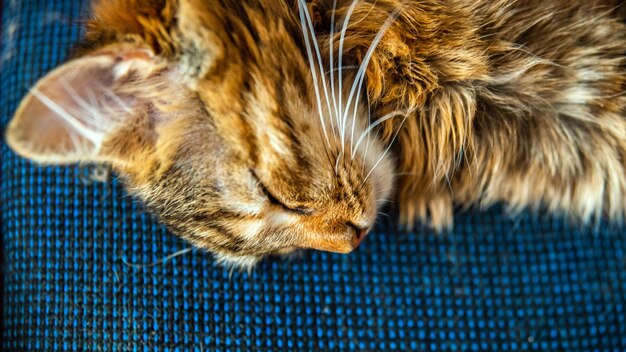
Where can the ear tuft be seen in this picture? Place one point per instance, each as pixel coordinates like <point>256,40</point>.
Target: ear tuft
<point>69,113</point>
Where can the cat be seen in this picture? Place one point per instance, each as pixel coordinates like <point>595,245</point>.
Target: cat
<point>260,127</point>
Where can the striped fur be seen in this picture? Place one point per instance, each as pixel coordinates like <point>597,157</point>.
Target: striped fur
<point>260,127</point>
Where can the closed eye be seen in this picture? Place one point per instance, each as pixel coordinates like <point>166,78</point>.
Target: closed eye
<point>274,200</point>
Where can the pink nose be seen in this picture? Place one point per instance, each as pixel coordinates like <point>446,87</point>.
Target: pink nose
<point>359,235</point>
<point>341,243</point>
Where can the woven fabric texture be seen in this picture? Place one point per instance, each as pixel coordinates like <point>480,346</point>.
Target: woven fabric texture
<point>84,268</point>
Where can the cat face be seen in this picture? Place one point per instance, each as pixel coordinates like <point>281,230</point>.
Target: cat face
<point>222,120</point>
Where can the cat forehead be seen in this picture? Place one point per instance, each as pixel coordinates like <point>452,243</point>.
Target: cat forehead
<point>250,65</point>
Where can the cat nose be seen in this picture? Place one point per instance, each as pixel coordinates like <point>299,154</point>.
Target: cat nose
<point>359,235</point>
<point>344,242</point>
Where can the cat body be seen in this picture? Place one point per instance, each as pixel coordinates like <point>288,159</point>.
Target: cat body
<point>260,127</point>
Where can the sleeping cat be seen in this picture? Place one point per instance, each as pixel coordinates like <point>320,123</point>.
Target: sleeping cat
<point>260,127</point>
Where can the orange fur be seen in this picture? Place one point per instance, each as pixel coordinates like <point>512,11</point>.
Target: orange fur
<point>228,131</point>
<point>488,84</point>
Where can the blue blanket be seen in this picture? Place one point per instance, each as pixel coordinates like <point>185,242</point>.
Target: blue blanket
<point>84,267</point>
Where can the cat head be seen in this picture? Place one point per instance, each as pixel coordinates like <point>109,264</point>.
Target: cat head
<point>221,119</point>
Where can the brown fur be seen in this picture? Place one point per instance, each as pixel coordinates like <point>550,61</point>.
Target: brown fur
<point>494,86</point>
<point>514,101</point>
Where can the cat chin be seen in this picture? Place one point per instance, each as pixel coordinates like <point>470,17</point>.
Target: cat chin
<point>287,251</point>
<point>239,262</point>
<point>247,262</point>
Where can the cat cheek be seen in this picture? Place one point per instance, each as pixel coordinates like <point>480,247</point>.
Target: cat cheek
<point>282,219</point>
<point>249,230</point>
<point>249,209</point>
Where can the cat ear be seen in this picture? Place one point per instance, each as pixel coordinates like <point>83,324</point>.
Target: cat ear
<point>68,114</point>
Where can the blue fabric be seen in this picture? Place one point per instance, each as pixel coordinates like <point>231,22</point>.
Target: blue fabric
<point>70,281</point>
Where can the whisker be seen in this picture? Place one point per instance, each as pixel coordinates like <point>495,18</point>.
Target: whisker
<point>408,173</point>
<point>332,62</point>
<point>336,69</point>
<point>313,72</point>
<point>369,122</point>
<point>160,261</point>
<point>386,150</point>
<point>340,67</point>
<point>379,223</point>
<point>356,105</point>
<point>358,80</point>
<point>316,46</point>
<point>377,123</point>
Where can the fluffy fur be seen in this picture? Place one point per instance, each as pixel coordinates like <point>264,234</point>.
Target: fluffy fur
<point>259,127</point>
<point>521,102</point>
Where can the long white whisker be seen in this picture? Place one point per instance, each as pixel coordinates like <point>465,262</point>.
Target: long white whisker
<point>356,105</point>
<point>368,56</point>
<point>336,69</point>
<point>372,126</point>
<point>313,72</point>
<point>340,65</point>
<point>369,122</point>
<point>316,46</point>
<point>386,150</point>
<point>160,261</point>
<point>332,62</point>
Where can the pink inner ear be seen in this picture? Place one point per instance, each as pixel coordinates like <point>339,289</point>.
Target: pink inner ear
<point>47,134</point>
<point>68,113</point>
